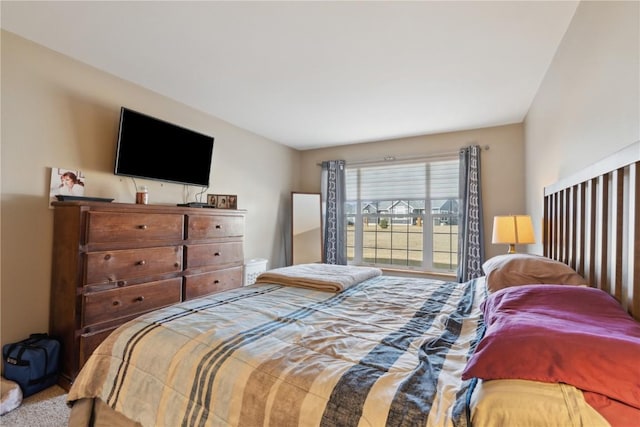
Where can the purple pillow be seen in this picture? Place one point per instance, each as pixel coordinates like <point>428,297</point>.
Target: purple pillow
<point>552,333</point>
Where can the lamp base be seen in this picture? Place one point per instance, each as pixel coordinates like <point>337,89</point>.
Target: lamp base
<point>512,248</point>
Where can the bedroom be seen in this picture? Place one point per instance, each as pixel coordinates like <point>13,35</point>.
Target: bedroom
<point>59,112</point>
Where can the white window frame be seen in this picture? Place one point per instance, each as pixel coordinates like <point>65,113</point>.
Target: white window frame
<point>427,217</point>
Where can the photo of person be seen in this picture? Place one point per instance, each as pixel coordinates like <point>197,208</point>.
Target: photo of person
<point>66,182</point>
<point>222,201</point>
<point>70,185</point>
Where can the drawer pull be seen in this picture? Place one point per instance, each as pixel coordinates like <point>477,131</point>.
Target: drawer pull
<point>217,254</point>
<point>139,299</point>
<point>141,262</point>
<point>215,282</point>
<point>218,226</point>
<point>107,257</point>
<point>116,302</point>
<point>143,227</point>
<point>121,283</point>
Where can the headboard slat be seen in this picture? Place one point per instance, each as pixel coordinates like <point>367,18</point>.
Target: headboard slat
<point>562,248</point>
<point>582,217</point>
<point>593,197</point>
<point>604,282</point>
<point>573,229</point>
<point>592,224</point>
<point>619,226</point>
<point>635,212</point>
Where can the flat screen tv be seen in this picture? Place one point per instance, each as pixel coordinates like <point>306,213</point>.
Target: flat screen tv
<point>155,149</point>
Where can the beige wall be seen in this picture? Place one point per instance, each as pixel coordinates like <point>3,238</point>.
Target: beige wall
<point>588,105</point>
<point>502,165</point>
<point>58,112</point>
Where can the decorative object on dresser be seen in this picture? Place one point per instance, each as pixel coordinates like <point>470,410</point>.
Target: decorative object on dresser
<point>222,201</point>
<point>66,183</point>
<point>113,262</point>
<point>62,198</point>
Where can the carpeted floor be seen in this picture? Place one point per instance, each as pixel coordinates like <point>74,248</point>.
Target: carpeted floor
<point>47,408</point>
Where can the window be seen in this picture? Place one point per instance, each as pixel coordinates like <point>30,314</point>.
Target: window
<point>404,215</point>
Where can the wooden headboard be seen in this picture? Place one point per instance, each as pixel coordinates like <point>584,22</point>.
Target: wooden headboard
<point>592,223</point>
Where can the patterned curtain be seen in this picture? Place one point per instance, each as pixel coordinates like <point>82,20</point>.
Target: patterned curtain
<point>470,230</point>
<point>333,196</point>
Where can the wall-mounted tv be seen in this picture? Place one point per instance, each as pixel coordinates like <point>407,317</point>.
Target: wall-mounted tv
<point>155,149</point>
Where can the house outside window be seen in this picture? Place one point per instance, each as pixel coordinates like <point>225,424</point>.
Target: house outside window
<point>404,215</point>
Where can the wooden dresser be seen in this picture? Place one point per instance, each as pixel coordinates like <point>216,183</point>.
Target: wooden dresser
<point>113,262</point>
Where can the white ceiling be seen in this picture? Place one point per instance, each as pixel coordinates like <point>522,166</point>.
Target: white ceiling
<point>316,74</point>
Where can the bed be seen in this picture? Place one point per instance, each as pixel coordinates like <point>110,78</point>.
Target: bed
<point>349,346</point>
<point>287,355</point>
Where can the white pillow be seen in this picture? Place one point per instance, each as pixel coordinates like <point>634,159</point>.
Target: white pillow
<point>508,270</point>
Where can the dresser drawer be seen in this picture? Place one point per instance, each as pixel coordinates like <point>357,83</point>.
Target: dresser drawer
<point>90,341</point>
<point>220,280</point>
<point>211,226</point>
<point>111,227</point>
<point>113,304</point>
<point>213,254</point>
<point>115,266</point>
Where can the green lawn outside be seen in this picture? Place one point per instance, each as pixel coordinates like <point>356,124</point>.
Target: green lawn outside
<point>400,244</point>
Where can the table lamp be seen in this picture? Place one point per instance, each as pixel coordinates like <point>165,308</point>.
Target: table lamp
<point>513,230</point>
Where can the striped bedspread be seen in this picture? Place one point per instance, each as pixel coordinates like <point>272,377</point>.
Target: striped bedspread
<point>386,352</point>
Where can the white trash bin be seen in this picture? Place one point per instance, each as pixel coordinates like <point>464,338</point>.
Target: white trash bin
<point>252,269</point>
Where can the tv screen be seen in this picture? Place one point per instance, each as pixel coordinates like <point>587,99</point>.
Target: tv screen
<point>155,149</point>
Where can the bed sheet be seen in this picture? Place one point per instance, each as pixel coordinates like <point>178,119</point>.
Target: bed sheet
<point>531,403</point>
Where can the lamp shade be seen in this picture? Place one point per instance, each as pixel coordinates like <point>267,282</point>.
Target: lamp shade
<point>513,230</point>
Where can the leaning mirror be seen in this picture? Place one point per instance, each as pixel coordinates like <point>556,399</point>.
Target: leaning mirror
<point>306,228</point>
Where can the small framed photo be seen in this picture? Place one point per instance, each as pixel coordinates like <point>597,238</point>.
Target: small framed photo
<point>223,201</point>
<point>232,201</point>
<point>66,182</point>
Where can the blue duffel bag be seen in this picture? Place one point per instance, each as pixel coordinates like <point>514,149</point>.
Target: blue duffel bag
<point>33,363</point>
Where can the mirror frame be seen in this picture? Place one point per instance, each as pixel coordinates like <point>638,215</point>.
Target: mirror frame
<point>308,218</point>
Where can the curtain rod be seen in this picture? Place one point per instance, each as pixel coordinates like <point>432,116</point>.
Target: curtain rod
<point>407,158</point>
